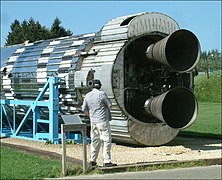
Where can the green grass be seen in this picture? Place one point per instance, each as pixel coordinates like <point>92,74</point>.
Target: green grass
<point>22,165</point>
<point>168,166</point>
<point>208,122</point>
<point>208,90</point>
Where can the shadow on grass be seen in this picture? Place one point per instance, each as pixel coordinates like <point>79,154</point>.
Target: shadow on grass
<point>200,135</point>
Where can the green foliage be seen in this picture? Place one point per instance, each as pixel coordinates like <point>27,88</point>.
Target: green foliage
<point>14,35</point>
<point>209,61</point>
<point>71,142</point>
<point>208,89</point>
<point>57,30</point>
<point>33,31</point>
<point>48,142</point>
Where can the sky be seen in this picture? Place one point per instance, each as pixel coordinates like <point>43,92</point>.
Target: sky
<point>203,18</point>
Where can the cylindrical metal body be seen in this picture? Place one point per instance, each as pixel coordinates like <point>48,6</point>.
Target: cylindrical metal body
<point>117,56</point>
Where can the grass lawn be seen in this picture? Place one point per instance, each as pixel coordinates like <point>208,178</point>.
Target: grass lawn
<point>208,90</point>
<point>208,122</point>
<point>16,164</point>
<point>21,165</point>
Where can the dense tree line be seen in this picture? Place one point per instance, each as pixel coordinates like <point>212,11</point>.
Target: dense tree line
<point>209,62</point>
<point>32,30</point>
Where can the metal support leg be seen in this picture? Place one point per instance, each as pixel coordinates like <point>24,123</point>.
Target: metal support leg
<point>36,116</point>
<point>54,108</point>
<point>14,118</point>
<point>1,118</point>
<point>64,170</point>
<point>84,151</point>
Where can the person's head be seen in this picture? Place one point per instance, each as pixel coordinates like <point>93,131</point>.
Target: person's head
<point>97,84</point>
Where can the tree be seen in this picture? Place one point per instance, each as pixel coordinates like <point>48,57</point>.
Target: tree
<point>209,61</point>
<point>57,30</point>
<point>15,35</point>
<point>36,31</point>
<point>33,31</point>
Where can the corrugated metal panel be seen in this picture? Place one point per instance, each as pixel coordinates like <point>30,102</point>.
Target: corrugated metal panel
<point>151,22</point>
<point>114,30</point>
<point>112,37</point>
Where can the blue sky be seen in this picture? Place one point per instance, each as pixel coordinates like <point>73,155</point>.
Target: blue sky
<point>203,18</point>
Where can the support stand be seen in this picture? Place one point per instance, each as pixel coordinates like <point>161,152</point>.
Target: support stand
<point>13,128</point>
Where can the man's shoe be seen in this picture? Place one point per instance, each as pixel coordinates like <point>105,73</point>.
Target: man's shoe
<point>92,163</point>
<point>109,164</point>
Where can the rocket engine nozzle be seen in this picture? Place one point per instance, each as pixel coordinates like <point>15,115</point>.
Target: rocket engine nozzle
<point>180,51</point>
<point>177,107</point>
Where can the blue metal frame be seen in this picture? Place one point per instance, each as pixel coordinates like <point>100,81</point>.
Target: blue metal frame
<point>11,129</point>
